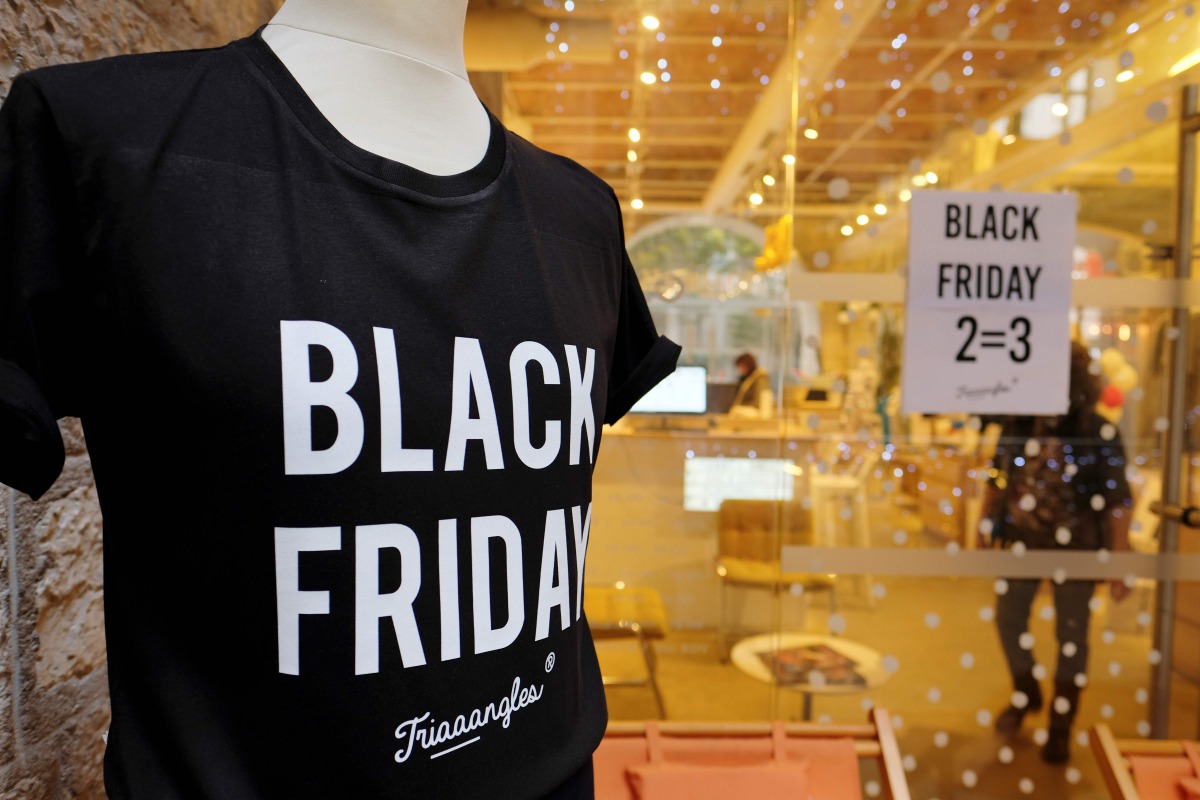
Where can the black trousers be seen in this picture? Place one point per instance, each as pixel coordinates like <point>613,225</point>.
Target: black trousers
<point>1071,616</point>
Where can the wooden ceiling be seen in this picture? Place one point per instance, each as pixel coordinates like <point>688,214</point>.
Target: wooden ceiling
<point>890,88</point>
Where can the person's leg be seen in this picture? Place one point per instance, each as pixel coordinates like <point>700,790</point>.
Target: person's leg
<point>1072,613</point>
<point>1012,620</point>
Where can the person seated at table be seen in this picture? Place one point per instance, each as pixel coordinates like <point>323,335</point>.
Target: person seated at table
<point>754,387</point>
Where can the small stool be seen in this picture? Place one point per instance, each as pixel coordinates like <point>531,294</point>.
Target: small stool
<point>619,612</point>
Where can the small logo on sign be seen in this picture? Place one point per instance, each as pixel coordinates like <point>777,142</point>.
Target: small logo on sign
<point>550,662</point>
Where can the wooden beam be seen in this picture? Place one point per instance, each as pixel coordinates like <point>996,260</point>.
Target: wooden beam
<point>919,78</point>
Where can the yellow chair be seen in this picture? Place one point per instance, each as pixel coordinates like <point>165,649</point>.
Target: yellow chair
<point>621,612</point>
<point>750,538</point>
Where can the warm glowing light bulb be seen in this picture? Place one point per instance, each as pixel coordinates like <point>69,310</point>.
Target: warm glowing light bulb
<point>1009,138</point>
<point>635,135</point>
<point>1124,75</point>
<point>1059,109</point>
<point>756,199</point>
<point>636,203</point>
<point>1124,333</point>
<point>905,195</point>
<point>631,155</point>
<point>931,177</point>
<point>811,133</point>
<point>862,219</point>
<point>880,209</point>
<point>919,181</point>
<point>789,159</point>
<point>649,78</point>
<point>650,22</point>
<point>768,180</point>
<point>847,230</point>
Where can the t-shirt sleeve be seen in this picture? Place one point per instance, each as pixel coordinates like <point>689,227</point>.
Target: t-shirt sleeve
<point>641,358</point>
<point>40,260</point>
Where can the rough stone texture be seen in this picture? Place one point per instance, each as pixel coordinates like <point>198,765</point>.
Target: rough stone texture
<point>53,675</point>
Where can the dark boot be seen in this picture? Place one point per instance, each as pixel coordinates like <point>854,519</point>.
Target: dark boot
<point>1057,749</point>
<point>1009,720</point>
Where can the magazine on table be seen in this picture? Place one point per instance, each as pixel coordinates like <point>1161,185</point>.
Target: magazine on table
<point>792,666</point>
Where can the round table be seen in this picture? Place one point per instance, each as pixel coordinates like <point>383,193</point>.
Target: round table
<point>810,663</point>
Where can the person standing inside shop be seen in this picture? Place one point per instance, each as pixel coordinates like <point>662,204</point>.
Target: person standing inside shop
<point>754,386</point>
<point>1058,483</point>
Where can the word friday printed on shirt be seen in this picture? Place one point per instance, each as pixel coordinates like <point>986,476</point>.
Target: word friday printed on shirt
<point>471,386</point>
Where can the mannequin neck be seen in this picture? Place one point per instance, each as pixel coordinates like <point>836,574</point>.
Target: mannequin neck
<point>389,75</point>
<point>430,31</point>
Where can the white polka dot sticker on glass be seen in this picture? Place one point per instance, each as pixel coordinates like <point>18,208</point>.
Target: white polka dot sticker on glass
<point>983,717</point>
<point>1025,785</point>
<point>873,789</point>
<point>1125,176</point>
<point>838,188</point>
<point>940,81</point>
<point>1005,755</point>
<point>820,259</point>
<point>967,660</point>
<point>932,620</point>
<point>969,778</point>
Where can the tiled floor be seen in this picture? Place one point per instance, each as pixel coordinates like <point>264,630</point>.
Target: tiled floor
<point>942,705</point>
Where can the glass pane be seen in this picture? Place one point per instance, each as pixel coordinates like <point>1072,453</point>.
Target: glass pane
<point>803,549</point>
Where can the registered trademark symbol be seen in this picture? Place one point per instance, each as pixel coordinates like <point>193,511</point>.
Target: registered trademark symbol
<point>549,662</point>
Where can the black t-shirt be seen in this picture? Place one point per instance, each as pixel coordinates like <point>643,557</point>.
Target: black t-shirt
<point>342,416</point>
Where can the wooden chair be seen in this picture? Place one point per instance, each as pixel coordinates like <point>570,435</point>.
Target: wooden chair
<point>834,754</point>
<point>1140,769</point>
<point>750,538</point>
<point>629,612</point>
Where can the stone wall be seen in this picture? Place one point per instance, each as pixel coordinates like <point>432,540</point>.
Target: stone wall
<point>53,679</point>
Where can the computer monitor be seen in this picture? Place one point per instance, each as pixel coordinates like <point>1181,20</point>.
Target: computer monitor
<point>685,391</point>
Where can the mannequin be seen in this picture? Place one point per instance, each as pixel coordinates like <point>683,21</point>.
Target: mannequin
<point>390,75</point>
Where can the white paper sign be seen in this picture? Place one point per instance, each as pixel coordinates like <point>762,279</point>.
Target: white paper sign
<point>989,294</point>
